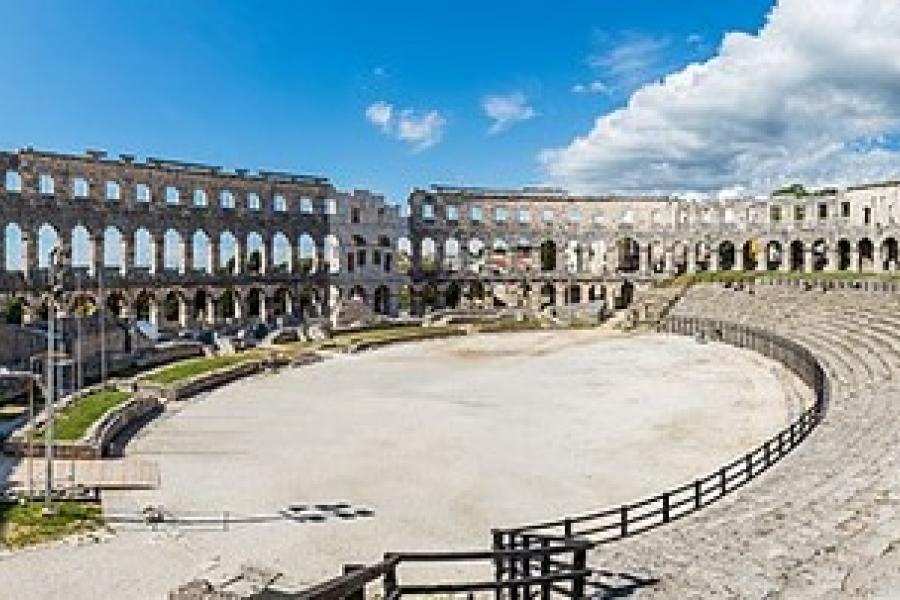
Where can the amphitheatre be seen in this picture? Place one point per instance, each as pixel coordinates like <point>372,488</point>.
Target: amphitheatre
<point>510,393</point>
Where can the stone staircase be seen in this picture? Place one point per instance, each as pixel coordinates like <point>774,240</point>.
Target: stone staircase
<point>825,522</point>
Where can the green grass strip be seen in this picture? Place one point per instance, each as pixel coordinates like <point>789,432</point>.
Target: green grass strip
<point>24,525</point>
<point>74,420</point>
<point>186,369</point>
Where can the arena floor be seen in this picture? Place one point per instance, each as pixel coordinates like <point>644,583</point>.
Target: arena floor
<point>442,440</point>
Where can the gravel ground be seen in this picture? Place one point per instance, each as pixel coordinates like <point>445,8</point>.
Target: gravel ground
<point>442,440</point>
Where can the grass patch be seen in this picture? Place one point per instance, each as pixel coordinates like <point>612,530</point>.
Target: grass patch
<point>505,325</point>
<point>23,525</point>
<point>74,420</point>
<point>196,366</point>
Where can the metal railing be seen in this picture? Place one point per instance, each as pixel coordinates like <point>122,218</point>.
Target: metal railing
<point>630,519</point>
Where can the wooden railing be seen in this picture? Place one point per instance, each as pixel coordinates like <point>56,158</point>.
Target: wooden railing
<point>623,521</point>
<point>544,568</point>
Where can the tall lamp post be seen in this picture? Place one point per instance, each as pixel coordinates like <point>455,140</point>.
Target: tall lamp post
<point>55,269</point>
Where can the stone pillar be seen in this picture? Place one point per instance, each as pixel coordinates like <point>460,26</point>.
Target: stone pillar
<point>808,258</point>
<point>560,291</point>
<point>739,258</point>
<point>785,258</point>
<point>670,262</point>
<point>263,307</point>
<point>158,263</point>
<point>265,263</point>
<point>210,310</point>
<point>692,259</point>
<point>831,259</point>
<point>127,254</point>
<point>187,254</point>
<point>214,250</point>
<point>714,260</point>
<point>877,267</point>
<point>240,254</point>
<point>96,252</point>
<point>154,311</point>
<point>854,259</point>
<point>762,257</point>
<point>644,259</point>
<point>183,313</point>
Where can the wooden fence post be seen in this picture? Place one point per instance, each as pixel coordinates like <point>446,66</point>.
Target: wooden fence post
<point>579,564</point>
<point>358,594</point>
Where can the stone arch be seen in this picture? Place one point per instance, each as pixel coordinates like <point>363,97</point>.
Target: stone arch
<point>82,251</point>
<point>15,248</point>
<point>281,253</point>
<point>702,256</point>
<point>282,302</point>
<point>866,255</point>
<point>307,254</point>
<point>173,253</point>
<point>113,256</point>
<point>202,252</point>
<point>548,295</point>
<point>629,255</point>
<point>200,305</point>
<point>358,292</point>
<point>145,307</point>
<point>819,249</point>
<point>451,255</point>
<point>256,303</point>
<point>228,254</point>
<point>381,300</point>
<point>844,254</point>
<point>548,255</point>
<point>404,254</point>
<point>750,251</point>
<point>890,254</point>
<point>476,255</point>
<point>48,238</point>
<point>174,308</point>
<point>428,256</point>
<point>144,250</point>
<point>227,302</point>
<point>453,295</point>
<point>726,253</point>
<point>573,294</point>
<point>115,304</point>
<point>256,254</point>
<point>797,256</point>
<point>774,255</point>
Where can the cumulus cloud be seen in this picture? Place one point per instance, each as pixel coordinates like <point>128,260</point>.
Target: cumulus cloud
<point>506,110</point>
<point>814,96</point>
<point>420,130</point>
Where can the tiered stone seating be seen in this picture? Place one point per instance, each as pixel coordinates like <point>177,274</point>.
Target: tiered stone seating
<point>823,523</point>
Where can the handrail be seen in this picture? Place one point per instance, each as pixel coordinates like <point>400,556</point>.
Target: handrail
<point>616,523</point>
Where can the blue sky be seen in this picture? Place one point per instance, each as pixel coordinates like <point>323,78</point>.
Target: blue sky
<point>287,85</point>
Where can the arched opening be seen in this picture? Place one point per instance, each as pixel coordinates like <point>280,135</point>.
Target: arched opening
<point>548,295</point>
<point>774,255</point>
<point>548,255</point>
<point>256,259</point>
<point>750,253</point>
<point>844,249</point>
<point>112,248</point>
<point>202,259</point>
<point>626,295</point>
<point>282,302</point>
<point>15,254</point>
<point>200,306</point>
<point>629,255</point>
<point>819,255</point>
<point>702,256</point>
<point>404,255</point>
<point>255,303</point>
<point>428,261</point>
<point>889,254</point>
<point>451,255</point>
<point>726,256</point>
<point>226,304</point>
<point>143,307</point>
<point>228,253</point>
<point>499,261</point>
<point>47,240</point>
<point>381,300</point>
<point>452,295</point>
<point>307,254</point>
<point>144,256</point>
<point>14,311</point>
<point>573,294</point>
<point>115,302</point>
<point>797,256</point>
<point>172,307</point>
<point>81,249</point>
<point>680,257</point>
<point>475,261</point>
<point>866,255</point>
<point>358,292</point>
<point>281,253</point>
<point>174,252</point>
<point>429,297</point>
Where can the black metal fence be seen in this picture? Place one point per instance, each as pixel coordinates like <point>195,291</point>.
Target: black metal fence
<point>631,519</point>
<point>544,569</point>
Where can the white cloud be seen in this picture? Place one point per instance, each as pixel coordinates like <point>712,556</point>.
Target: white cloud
<point>506,110</point>
<point>594,87</point>
<point>380,114</point>
<point>421,131</point>
<point>813,97</point>
<point>634,59</point>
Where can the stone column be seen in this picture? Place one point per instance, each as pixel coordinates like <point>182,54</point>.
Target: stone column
<point>96,251</point>
<point>785,258</point>
<point>560,291</point>
<point>154,311</point>
<point>692,259</point>
<point>854,259</point>
<point>158,247</point>
<point>714,260</point>
<point>762,257</point>
<point>210,310</point>
<point>644,259</point>
<point>808,258</point>
<point>877,267</point>
<point>183,315</point>
<point>670,262</point>
<point>127,254</point>
<point>187,254</point>
<point>831,259</point>
<point>739,258</point>
<point>214,251</point>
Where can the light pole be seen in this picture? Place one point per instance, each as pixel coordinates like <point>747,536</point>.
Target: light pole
<point>55,271</point>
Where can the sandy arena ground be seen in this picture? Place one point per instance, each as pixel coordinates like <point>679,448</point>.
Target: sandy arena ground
<point>443,440</point>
